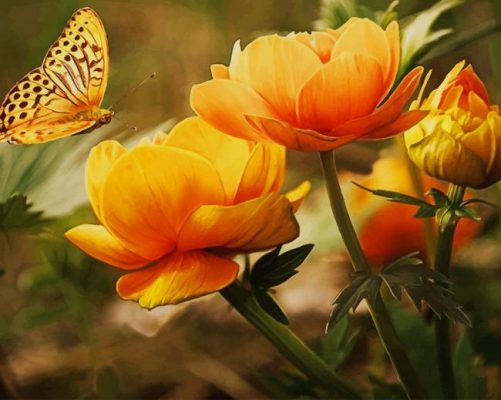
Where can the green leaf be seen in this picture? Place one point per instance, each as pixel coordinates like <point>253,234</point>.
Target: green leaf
<point>417,34</point>
<point>16,213</point>
<point>440,198</point>
<point>479,201</point>
<point>273,269</point>
<point>468,381</point>
<point>468,212</point>
<point>423,284</point>
<point>425,209</point>
<point>362,286</point>
<point>338,343</point>
<point>269,304</point>
<point>446,217</point>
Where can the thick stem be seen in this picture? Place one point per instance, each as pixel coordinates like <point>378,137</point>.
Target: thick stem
<point>442,264</point>
<point>379,313</point>
<point>287,343</point>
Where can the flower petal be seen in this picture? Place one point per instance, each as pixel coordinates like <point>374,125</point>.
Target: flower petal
<point>365,37</point>
<point>99,163</point>
<point>320,42</point>
<point>254,225</point>
<point>219,71</point>
<point>223,102</point>
<point>149,193</point>
<point>264,172</point>
<point>388,112</point>
<point>405,121</point>
<point>178,277</point>
<point>277,68</point>
<point>227,154</point>
<point>96,241</point>
<point>348,87</point>
<point>295,138</point>
<point>297,195</point>
<point>393,36</point>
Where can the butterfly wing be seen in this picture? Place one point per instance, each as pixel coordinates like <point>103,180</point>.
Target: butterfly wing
<point>78,62</point>
<point>34,110</point>
<point>44,104</point>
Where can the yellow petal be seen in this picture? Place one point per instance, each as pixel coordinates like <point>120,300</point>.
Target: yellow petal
<point>346,88</point>
<point>227,154</point>
<point>277,68</point>
<point>177,278</point>
<point>264,172</point>
<point>254,225</point>
<point>219,71</point>
<point>297,195</point>
<point>223,103</point>
<point>320,42</point>
<point>97,242</point>
<point>99,163</point>
<point>149,193</point>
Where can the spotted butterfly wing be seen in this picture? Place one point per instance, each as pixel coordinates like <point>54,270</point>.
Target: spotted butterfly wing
<point>63,96</point>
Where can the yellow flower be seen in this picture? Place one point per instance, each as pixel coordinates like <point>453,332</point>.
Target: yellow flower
<point>460,140</point>
<point>313,91</point>
<point>175,211</point>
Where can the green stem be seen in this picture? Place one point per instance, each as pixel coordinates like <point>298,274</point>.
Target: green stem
<point>391,342</point>
<point>287,343</point>
<point>442,265</point>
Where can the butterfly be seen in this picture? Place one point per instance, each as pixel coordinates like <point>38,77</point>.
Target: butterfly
<point>64,95</point>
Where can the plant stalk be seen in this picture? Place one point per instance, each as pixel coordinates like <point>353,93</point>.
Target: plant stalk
<point>287,343</point>
<point>442,264</point>
<point>396,352</point>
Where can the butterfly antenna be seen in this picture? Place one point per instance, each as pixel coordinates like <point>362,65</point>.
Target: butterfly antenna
<point>127,125</point>
<point>130,91</point>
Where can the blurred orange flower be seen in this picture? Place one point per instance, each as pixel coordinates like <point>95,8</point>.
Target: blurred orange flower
<point>388,230</point>
<point>313,91</point>
<point>175,211</point>
<point>460,140</point>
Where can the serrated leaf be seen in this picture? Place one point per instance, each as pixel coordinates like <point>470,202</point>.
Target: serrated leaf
<point>16,213</point>
<point>276,269</point>
<point>268,304</point>
<point>362,286</point>
<point>423,284</point>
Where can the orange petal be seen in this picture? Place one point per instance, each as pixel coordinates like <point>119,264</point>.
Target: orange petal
<point>264,172</point>
<point>470,80</point>
<point>389,111</point>
<point>177,278</point>
<point>405,121</point>
<point>223,102</point>
<point>227,154</point>
<point>219,71</point>
<point>149,193</point>
<point>393,36</point>
<point>477,106</point>
<point>297,195</point>
<point>295,138</point>
<point>99,163</point>
<point>97,242</point>
<point>348,87</point>
<point>254,225</point>
<point>276,68</point>
<point>365,37</point>
<point>320,42</point>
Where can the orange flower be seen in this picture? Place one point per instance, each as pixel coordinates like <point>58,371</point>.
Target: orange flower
<point>313,91</point>
<point>175,211</point>
<point>388,230</point>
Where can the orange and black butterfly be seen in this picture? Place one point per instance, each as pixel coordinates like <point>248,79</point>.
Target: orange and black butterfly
<point>64,95</point>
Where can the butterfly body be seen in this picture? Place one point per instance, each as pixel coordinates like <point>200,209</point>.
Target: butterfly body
<point>63,96</point>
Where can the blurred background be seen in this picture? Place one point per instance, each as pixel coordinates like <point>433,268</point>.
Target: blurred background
<point>64,333</point>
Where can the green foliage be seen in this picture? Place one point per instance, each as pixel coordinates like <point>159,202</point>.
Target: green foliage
<point>16,213</point>
<point>417,34</point>
<point>408,274</point>
<point>271,270</point>
<point>468,381</point>
<point>334,13</point>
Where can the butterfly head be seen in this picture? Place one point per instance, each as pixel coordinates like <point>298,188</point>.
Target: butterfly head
<point>105,116</point>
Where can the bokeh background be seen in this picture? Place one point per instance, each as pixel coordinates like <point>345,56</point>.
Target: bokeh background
<point>63,331</point>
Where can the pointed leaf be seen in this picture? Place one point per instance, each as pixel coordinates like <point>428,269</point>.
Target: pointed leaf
<point>268,304</point>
